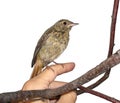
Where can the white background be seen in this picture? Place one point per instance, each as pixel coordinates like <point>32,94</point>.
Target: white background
<point>22,22</point>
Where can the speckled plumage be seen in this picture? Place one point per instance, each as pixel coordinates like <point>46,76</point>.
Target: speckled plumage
<point>52,43</point>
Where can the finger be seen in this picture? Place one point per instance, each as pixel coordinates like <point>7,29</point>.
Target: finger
<point>51,72</point>
<point>56,84</point>
<point>43,80</point>
<point>68,98</point>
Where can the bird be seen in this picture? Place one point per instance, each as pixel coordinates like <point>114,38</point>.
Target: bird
<point>51,45</point>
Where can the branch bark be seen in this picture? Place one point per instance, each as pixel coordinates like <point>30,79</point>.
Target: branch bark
<point>108,98</point>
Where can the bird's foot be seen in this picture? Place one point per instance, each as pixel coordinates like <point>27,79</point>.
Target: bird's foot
<point>58,64</point>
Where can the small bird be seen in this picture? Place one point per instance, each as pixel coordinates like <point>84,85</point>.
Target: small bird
<point>51,44</point>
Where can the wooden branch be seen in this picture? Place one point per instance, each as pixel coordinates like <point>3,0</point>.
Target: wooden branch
<point>113,27</point>
<point>15,97</point>
<point>111,45</point>
<point>108,98</point>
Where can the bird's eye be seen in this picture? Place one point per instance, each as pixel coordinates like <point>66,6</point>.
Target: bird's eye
<point>64,23</point>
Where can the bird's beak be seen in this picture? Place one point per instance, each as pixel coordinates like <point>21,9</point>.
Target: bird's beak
<point>73,24</point>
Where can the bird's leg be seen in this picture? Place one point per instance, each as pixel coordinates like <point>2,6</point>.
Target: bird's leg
<point>49,67</point>
<point>58,64</point>
<point>55,62</point>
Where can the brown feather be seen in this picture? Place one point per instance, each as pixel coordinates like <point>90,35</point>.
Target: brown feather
<point>40,43</point>
<point>37,68</point>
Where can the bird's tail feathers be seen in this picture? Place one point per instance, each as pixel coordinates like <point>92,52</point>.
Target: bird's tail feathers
<point>37,68</point>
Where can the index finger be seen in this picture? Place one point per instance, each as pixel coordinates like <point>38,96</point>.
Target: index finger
<point>44,79</point>
<point>50,73</point>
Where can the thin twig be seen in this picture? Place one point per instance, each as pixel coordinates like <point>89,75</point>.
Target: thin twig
<point>108,98</point>
<point>113,26</point>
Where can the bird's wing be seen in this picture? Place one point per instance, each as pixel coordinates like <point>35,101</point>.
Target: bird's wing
<point>39,44</point>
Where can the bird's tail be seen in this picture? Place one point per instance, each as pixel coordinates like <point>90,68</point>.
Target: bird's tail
<point>37,68</point>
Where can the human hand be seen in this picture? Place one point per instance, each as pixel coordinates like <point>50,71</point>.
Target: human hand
<point>46,80</point>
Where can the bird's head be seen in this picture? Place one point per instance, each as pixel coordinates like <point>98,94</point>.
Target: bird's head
<point>64,25</point>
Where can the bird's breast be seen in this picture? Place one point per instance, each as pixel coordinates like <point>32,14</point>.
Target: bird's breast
<point>53,47</point>
<point>61,40</point>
